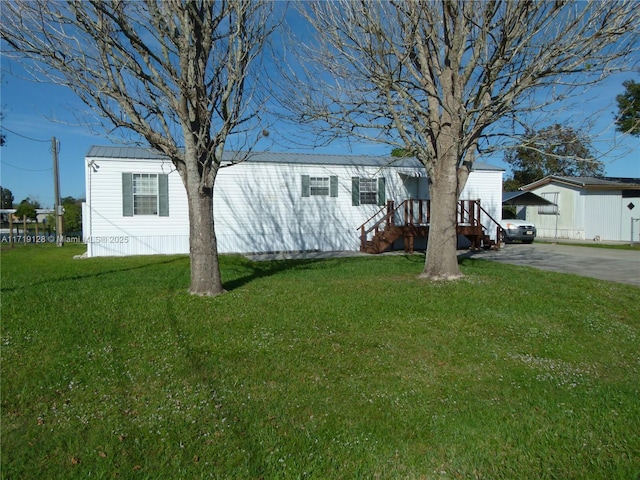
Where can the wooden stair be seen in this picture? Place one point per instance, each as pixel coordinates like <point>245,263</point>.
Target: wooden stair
<point>384,239</point>
<point>478,237</point>
<point>410,220</point>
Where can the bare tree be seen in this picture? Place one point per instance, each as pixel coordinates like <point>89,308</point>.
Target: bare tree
<point>180,74</point>
<point>443,80</point>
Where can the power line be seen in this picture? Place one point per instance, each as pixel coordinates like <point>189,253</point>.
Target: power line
<point>24,136</point>
<point>26,169</point>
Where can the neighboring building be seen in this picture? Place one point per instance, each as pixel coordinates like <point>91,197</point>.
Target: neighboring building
<point>136,202</point>
<point>41,216</point>
<point>587,208</point>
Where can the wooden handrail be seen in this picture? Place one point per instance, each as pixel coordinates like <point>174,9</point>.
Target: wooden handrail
<point>387,207</point>
<point>499,227</point>
<point>469,212</point>
<point>363,233</point>
<point>372,217</point>
<point>464,206</point>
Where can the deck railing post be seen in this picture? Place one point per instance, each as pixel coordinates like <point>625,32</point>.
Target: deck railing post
<point>472,213</point>
<point>411,213</point>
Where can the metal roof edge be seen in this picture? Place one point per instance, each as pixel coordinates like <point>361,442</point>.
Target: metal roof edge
<point>600,183</point>
<point>141,153</point>
<point>545,181</point>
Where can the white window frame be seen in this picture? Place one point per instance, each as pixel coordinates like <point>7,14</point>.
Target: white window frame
<point>145,193</point>
<point>368,191</point>
<point>319,186</point>
<point>550,209</point>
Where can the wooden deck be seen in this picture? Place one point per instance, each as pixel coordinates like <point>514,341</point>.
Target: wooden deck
<point>410,220</point>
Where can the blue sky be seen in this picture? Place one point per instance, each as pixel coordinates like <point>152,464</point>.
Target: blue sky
<point>36,112</point>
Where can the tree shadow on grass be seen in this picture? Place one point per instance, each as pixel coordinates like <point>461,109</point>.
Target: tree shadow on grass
<point>254,270</point>
<point>237,270</point>
<point>89,275</point>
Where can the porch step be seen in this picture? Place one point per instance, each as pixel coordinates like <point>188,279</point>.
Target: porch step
<point>410,219</point>
<point>489,243</point>
<point>384,240</point>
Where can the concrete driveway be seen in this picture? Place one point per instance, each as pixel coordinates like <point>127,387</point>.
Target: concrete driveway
<point>603,263</point>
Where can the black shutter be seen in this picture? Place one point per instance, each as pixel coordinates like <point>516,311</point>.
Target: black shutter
<point>163,195</point>
<point>305,186</point>
<point>355,191</point>
<point>333,186</point>
<point>382,197</point>
<point>127,194</point>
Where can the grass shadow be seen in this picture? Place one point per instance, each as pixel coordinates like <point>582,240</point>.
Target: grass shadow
<point>257,269</point>
<point>254,270</point>
<point>87,275</point>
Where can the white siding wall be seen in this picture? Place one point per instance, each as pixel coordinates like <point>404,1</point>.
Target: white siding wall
<point>569,223</point>
<point>603,218</point>
<point>609,217</point>
<point>109,232</point>
<point>586,214</point>
<point>486,186</point>
<point>626,216</point>
<point>258,207</point>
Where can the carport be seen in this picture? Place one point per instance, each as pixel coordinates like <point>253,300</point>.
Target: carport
<point>523,199</point>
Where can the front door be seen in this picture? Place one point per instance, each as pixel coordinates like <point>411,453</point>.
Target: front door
<point>415,187</point>
<point>630,219</point>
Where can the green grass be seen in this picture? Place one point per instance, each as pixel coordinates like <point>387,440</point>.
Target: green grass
<point>342,368</point>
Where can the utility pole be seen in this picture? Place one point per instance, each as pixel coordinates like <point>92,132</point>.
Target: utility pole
<point>56,192</point>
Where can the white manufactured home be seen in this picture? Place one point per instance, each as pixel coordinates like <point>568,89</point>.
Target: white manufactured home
<point>588,208</point>
<point>271,202</point>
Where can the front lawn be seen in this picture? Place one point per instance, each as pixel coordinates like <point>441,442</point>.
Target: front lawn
<point>324,369</point>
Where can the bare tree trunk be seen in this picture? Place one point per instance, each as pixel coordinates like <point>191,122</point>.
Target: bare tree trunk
<point>441,261</point>
<point>205,267</point>
<point>203,248</point>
